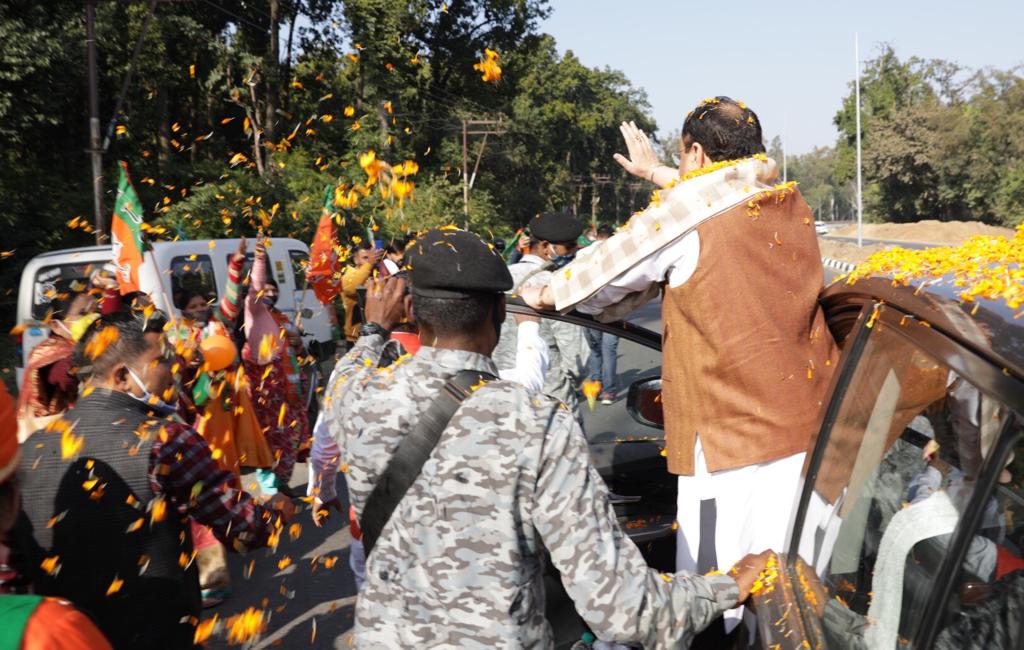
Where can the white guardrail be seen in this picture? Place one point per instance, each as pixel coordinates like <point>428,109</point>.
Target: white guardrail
<point>839,265</point>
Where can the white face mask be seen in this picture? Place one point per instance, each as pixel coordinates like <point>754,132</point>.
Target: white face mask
<point>151,401</point>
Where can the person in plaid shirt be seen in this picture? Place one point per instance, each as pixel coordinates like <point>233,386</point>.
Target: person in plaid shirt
<point>108,491</point>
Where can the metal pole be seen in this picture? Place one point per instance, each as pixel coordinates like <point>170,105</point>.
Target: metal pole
<point>860,206</point>
<point>465,179</point>
<point>95,150</point>
<point>785,167</point>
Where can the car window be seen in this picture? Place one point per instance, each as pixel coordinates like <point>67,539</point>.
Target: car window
<point>54,286</point>
<point>633,361</point>
<point>907,444</point>
<point>300,259</point>
<point>192,273</point>
<point>982,614</point>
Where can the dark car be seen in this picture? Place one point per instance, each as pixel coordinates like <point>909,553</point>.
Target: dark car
<point>909,532</point>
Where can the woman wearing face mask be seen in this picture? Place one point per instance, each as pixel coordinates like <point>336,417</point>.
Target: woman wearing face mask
<point>234,433</point>
<point>270,361</point>
<point>225,416</point>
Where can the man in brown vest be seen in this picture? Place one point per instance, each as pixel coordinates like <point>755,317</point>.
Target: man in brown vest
<point>747,353</point>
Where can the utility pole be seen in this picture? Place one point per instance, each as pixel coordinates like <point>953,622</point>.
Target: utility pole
<point>633,189</point>
<point>483,127</point>
<point>95,145</point>
<point>785,166</point>
<point>597,181</point>
<point>576,186</point>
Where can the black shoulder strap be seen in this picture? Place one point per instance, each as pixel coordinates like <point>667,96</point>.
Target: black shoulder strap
<point>413,452</point>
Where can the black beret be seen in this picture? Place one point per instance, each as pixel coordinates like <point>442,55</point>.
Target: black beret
<point>556,227</point>
<point>452,263</point>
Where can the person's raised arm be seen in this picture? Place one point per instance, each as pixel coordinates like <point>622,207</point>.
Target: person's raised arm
<point>643,161</point>
<point>256,315</point>
<point>259,266</point>
<point>386,307</point>
<point>229,306</point>
<point>619,597</point>
<point>356,276</point>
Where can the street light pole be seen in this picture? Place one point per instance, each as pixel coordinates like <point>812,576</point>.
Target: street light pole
<point>860,205</point>
<point>95,146</point>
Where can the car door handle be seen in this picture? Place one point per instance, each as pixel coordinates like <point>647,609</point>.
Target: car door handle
<point>621,499</point>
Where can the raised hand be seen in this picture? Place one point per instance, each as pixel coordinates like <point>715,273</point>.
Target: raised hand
<point>240,253</point>
<point>642,160</point>
<point>385,301</point>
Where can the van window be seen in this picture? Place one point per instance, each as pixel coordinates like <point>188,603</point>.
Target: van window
<point>246,265</point>
<point>300,260</point>
<point>54,286</point>
<point>192,273</point>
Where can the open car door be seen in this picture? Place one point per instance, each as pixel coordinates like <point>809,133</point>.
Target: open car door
<point>908,531</point>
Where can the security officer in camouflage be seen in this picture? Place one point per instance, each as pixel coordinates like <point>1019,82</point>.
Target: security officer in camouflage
<point>553,243</point>
<point>458,564</point>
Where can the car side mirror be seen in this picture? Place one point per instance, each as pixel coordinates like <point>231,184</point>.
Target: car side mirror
<point>644,402</point>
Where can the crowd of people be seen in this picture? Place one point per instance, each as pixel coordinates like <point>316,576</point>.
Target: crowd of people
<point>457,424</point>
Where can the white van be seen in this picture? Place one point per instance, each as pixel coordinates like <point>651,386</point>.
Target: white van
<point>179,264</point>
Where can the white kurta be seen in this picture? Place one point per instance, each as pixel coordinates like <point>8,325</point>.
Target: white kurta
<point>753,505</point>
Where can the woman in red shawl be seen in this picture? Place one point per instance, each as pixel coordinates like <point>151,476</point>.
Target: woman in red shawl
<point>50,388</point>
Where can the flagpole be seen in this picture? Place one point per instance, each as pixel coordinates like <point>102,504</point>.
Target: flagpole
<point>860,206</point>
<point>167,304</point>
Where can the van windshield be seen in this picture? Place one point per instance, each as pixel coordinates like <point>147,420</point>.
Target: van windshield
<point>191,275</point>
<point>54,286</point>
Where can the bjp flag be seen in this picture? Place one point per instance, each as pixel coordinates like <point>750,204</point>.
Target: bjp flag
<point>324,271</point>
<point>126,234</point>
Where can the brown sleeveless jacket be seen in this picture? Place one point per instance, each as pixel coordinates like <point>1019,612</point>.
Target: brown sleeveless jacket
<point>748,356</point>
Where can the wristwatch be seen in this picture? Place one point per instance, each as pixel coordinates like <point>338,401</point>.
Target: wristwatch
<point>368,329</point>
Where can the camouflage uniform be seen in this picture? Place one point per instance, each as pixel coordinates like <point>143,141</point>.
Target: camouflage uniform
<point>567,349</point>
<point>459,563</point>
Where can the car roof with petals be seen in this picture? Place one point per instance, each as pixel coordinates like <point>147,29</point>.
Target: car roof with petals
<point>973,293</point>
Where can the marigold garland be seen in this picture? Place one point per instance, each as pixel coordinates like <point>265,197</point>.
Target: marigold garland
<point>710,169</point>
<point>982,267</point>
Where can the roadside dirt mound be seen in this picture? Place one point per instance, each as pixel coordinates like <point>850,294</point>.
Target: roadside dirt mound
<point>925,232</point>
<point>846,252</point>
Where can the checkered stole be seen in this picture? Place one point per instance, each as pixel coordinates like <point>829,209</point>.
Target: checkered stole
<point>681,209</point>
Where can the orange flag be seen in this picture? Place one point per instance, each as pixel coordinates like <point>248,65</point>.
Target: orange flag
<point>126,234</point>
<point>324,272</point>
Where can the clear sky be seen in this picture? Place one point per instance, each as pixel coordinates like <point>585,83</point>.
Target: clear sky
<point>789,61</point>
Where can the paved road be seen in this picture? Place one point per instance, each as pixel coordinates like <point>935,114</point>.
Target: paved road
<point>306,596</point>
<point>902,244</point>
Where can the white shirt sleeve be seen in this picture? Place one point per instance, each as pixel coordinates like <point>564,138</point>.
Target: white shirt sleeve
<point>674,264</point>
<point>323,456</point>
<point>531,358</point>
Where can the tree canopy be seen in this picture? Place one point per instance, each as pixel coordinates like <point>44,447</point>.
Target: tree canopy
<point>939,141</point>
<point>241,112</point>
